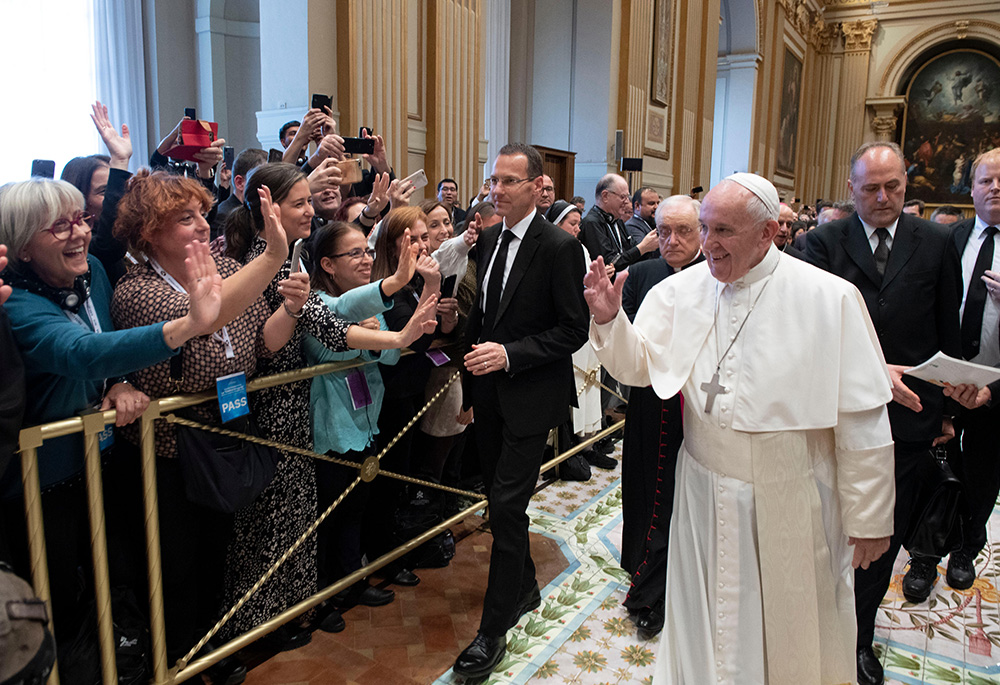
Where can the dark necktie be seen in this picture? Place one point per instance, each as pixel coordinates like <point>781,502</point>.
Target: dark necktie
<point>495,287</point>
<point>881,250</point>
<point>975,300</point>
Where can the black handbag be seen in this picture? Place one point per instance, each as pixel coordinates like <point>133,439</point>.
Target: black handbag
<point>222,472</point>
<point>937,532</point>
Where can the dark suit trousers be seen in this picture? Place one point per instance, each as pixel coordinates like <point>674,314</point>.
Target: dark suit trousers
<point>915,468</point>
<point>510,470</point>
<point>978,467</point>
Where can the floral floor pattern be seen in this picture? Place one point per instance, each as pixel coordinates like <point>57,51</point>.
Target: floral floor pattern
<point>582,635</point>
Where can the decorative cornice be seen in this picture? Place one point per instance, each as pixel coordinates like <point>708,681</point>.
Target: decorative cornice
<point>858,34</point>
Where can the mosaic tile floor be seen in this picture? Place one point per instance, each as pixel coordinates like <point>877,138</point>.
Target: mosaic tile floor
<point>582,635</point>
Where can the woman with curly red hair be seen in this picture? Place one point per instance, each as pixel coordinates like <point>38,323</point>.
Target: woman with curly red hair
<point>159,214</point>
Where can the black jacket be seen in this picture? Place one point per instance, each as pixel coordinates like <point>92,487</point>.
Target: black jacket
<point>914,307</point>
<point>12,397</point>
<point>541,321</point>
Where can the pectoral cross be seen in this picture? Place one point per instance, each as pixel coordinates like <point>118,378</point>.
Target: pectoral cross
<point>713,388</point>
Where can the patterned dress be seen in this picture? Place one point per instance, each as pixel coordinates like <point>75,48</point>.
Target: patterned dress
<point>282,513</point>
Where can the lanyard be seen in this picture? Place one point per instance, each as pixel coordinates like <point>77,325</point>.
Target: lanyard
<point>95,323</point>
<point>222,335</point>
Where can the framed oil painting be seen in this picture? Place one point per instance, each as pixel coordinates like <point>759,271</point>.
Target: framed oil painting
<point>952,114</point>
<point>663,32</point>
<point>788,124</point>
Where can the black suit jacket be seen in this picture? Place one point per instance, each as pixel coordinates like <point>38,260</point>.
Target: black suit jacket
<point>914,307</point>
<point>541,320</point>
<point>961,231</point>
<point>595,234</point>
<point>457,215</point>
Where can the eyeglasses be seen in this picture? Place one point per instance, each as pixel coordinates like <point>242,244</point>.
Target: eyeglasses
<point>508,182</point>
<point>63,228</point>
<point>356,254</point>
<point>680,231</point>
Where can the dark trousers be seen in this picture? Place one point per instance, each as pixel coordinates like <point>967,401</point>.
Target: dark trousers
<point>193,542</point>
<point>339,537</point>
<point>977,465</point>
<point>67,538</point>
<point>510,471</point>
<point>915,470</point>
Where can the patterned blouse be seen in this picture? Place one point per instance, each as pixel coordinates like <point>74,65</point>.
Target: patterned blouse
<point>142,297</point>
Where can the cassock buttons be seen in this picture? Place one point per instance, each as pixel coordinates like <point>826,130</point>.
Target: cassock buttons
<point>733,320</point>
<point>722,425</point>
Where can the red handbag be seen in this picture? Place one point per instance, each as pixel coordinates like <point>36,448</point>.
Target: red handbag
<point>195,134</point>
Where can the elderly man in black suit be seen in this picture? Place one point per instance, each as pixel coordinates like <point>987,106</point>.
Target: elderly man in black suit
<point>976,457</point>
<point>653,430</point>
<point>907,270</point>
<point>529,318</point>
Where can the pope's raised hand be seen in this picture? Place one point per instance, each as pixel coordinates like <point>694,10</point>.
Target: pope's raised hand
<point>603,297</point>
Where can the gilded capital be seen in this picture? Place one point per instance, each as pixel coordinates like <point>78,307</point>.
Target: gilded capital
<point>822,35</point>
<point>884,127</point>
<point>858,34</point>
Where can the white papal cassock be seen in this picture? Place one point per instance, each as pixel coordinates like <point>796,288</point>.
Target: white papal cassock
<point>792,459</point>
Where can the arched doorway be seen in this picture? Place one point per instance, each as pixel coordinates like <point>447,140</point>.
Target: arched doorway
<point>734,88</point>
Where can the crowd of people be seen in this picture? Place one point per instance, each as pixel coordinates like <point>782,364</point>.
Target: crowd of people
<point>119,287</point>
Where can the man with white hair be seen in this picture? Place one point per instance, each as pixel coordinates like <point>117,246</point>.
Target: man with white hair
<point>783,238</point>
<point>787,456</point>
<point>653,430</point>
<point>603,232</point>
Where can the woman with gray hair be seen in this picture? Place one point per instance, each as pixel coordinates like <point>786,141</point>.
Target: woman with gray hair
<point>59,310</point>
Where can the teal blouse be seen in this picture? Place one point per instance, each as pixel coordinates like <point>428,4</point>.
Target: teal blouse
<point>337,425</point>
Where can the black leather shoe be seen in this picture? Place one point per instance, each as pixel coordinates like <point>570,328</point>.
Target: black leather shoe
<point>961,570</point>
<point>405,578</point>
<point>481,657</point>
<point>328,619</point>
<point>288,637</point>
<point>376,597</point>
<point>869,668</point>
<point>228,671</point>
<point>530,601</point>
<point>604,446</point>
<point>601,461</point>
<point>649,622</point>
<point>919,580</point>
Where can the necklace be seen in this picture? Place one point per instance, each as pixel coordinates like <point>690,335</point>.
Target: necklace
<point>714,388</point>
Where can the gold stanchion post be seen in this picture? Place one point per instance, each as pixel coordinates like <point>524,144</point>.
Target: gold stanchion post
<point>154,571</point>
<point>30,440</point>
<point>93,425</point>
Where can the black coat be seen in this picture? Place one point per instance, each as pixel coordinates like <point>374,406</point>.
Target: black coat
<point>541,320</point>
<point>961,231</point>
<point>914,307</point>
<point>12,397</point>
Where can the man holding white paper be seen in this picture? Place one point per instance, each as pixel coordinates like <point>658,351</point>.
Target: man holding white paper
<point>908,273</point>
<point>977,459</point>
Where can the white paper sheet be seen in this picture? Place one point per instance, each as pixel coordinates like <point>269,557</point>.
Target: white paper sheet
<point>941,369</point>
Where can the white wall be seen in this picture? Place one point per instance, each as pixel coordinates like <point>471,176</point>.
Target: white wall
<point>551,86</point>
<point>561,81</point>
<point>171,67</point>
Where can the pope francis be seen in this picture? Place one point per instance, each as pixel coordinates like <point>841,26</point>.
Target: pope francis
<point>785,477</point>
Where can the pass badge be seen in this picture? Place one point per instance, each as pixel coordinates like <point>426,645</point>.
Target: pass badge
<point>438,357</point>
<point>232,391</point>
<point>106,438</point>
<point>357,385</point>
